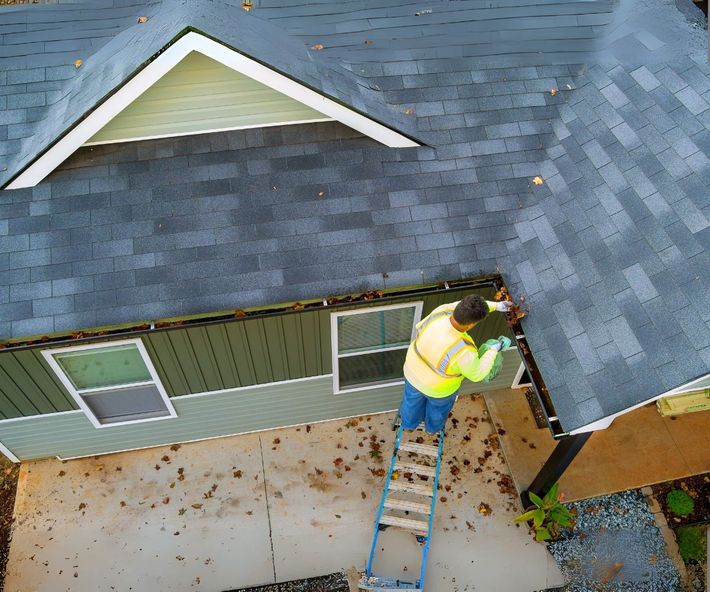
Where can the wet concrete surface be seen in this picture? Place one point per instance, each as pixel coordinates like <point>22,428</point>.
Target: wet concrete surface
<point>270,507</point>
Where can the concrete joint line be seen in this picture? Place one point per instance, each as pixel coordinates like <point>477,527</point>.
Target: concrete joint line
<point>268,512</point>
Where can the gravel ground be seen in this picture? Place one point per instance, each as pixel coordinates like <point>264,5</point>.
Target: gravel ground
<point>332,583</point>
<point>614,547</point>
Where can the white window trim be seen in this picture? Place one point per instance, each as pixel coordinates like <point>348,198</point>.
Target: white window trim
<point>49,354</point>
<point>417,306</point>
<point>167,60</point>
<point>518,376</point>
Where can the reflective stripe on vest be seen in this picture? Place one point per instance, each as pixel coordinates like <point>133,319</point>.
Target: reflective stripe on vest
<point>449,353</point>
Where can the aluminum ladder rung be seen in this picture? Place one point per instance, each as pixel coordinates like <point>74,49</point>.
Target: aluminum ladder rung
<point>407,506</point>
<point>376,584</point>
<point>419,448</point>
<point>411,488</point>
<point>425,470</point>
<point>418,526</point>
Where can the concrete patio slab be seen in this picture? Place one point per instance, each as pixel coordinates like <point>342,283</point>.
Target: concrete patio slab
<point>288,504</point>
<point>638,449</point>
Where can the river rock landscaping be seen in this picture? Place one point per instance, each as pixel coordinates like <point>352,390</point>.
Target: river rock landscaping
<point>615,546</point>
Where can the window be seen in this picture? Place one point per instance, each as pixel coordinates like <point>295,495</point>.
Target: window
<point>369,346</point>
<point>522,378</point>
<point>114,383</point>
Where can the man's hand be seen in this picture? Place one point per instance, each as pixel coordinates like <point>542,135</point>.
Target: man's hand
<point>504,306</point>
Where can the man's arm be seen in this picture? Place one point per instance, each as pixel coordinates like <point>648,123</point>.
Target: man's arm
<point>476,368</point>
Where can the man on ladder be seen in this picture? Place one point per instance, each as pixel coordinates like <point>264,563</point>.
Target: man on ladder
<point>441,355</point>
<point>438,359</point>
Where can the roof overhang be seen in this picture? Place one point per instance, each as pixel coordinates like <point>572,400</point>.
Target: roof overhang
<point>161,65</point>
<point>605,422</point>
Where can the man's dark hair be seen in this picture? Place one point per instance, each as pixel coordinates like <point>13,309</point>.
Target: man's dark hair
<point>470,310</point>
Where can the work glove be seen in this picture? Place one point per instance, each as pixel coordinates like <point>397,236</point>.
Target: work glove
<point>504,306</point>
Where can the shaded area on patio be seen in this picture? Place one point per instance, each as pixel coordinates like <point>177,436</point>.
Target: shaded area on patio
<point>639,448</point>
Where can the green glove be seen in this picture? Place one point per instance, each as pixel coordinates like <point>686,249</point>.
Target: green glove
<point>504,342</point>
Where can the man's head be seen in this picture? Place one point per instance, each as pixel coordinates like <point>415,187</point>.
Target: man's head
<point>470,311</point>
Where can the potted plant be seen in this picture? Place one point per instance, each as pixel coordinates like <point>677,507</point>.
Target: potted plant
<point>548,517</point>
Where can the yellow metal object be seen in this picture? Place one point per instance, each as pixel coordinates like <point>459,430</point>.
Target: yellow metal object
<point>686,403</point>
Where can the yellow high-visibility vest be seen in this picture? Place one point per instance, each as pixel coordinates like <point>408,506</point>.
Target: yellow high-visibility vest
<point>431,362</point>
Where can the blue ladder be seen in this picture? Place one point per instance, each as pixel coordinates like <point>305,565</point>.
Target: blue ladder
<point>422,527</point>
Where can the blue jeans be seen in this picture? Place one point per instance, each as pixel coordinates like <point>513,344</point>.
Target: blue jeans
<point>416,406</point>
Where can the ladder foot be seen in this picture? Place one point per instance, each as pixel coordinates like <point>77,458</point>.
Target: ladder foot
<point>421,540</point>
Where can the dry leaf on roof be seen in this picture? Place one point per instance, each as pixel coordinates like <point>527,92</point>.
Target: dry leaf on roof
<point>317,46</point>
<point>247,5</point>
<point>538,181</point>
<point>409,111</point>
<point>553,91</point>
<point>142,19</point>
<point>78,63</point>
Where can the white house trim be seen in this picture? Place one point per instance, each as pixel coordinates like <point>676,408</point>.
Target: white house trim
<point>49,354</point>
<point>206,131</point>
<point>161,65</point>
<point>518,376</point>
<point>8,453</point>
<point>605,422</point>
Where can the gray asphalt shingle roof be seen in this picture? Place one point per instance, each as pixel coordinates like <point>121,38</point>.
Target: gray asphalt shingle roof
<point>611,251</point>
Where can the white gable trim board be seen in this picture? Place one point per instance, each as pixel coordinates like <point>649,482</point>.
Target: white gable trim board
<point>167,60</point>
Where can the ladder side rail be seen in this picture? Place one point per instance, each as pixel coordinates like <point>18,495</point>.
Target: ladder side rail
<point>368,567</point>
<point>425,551</point>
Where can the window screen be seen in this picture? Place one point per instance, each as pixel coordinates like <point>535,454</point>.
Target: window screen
<point>113,384</point>
<point>370,346</point>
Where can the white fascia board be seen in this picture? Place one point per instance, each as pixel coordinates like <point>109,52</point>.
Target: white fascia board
<point>605,422</point>
<point>167,60</point>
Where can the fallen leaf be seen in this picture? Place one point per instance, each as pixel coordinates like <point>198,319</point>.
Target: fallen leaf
<point>317,46</point>
<point>363,495</point>
<point>247,5</point>
<point>165,458</point>
<point>166,500</point>
<point>78,63</point>
<point>142,19</point>
<point>175,447</point>
<point>197,506</point>
<point>181,511</point>
<point>553,91</point>
<point>238,474</point>
<point>484,509</point>
<point>538,181</point>
<point>62,473</point>
<point>409,111</point>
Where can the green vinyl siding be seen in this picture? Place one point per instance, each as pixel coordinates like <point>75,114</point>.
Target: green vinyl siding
<point>199,94</point>
<point>220,356</point>
<point>218,414</point>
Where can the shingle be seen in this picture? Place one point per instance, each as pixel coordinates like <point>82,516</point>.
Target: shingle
<point>671,80</point>
<point>623,336</point>
<point>645,78</point>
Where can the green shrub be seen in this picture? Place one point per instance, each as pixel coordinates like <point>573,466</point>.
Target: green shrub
<point>680,503</point>
<point>692,543</point>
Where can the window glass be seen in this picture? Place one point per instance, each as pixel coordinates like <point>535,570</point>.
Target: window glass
<point>375,330</point>
<point>126,404</point>
<point>110,366</point>
<point>369,347</point>
<point>372,368</point>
